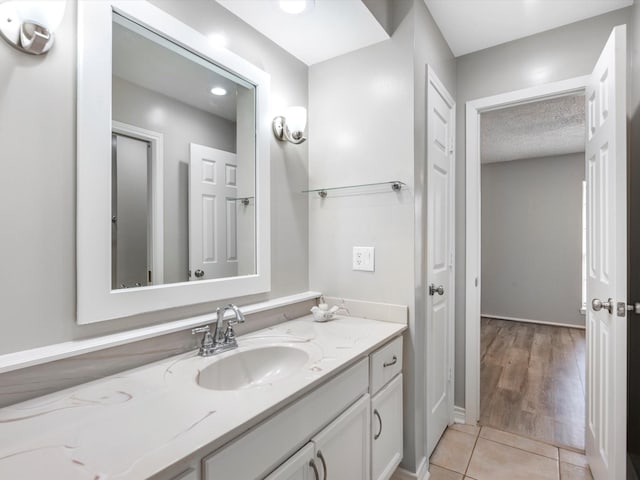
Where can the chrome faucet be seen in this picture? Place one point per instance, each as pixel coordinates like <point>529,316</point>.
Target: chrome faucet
<point>222,339</point>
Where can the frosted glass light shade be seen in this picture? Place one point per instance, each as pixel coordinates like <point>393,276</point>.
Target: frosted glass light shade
<point>296,118</point>
<point>293,7</point>
<point>47,13</point>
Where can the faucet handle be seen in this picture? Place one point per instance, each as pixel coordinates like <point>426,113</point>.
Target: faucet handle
<point>204,329</point>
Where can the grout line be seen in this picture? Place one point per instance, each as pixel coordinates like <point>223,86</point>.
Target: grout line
<point>472,452</point>
<point>521,449</point>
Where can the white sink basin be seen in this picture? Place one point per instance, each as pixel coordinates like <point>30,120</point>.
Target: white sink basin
<point>252,368</point>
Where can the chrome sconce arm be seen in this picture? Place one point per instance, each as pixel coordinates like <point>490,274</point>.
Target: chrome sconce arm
<point>290,127</point>
<point>29,26</point>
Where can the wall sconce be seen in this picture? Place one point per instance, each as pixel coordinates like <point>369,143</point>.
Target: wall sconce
<point>29,25</point>
<point>290,127</point>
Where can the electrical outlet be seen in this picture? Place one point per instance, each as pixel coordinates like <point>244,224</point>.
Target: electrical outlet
<point>364,258</point>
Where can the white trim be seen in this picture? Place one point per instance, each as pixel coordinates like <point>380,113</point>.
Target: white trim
<point>421,474</point>
<point>59,351</point>
<point>96,301</point>
<point>156,140</point>
<point>459,415</point>
<point>539,322</point>
<point>472,222</point>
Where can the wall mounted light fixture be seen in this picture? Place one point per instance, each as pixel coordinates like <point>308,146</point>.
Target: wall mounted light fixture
<point>290,127</point>
<point>29,25</point>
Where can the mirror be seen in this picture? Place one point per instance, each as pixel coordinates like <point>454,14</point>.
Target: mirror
<point>173,165</point>
<point>194,219</point>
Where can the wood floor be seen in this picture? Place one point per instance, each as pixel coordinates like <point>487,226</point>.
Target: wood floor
<point>532,381</point>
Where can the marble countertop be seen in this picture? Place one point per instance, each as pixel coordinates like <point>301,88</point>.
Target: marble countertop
<point>137,423</point>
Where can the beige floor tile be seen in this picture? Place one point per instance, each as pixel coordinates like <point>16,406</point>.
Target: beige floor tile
<point>453,451</point>
<point>517,441</point>
<point>573,472</point>
<point>567,456</point>
<point>470,429</point>
<point>494,461</point>
<point>439,473</point>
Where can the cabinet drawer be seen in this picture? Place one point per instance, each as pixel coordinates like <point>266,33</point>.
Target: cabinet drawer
<point>386,430</point>
<point>386,363</point>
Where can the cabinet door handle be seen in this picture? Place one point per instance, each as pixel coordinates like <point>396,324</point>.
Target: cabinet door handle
<point>312,464</point>
<point>377,435</point>
<point>324,464</point>
<point>392,362</point>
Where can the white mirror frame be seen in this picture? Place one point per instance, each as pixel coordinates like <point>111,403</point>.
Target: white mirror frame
<point>96,301</point>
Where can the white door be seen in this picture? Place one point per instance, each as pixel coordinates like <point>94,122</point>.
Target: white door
<point>386,430</point>
<point>299,467</point>
<point>213,207</point>
<point>440,255</point>
<point>343,447</point>
<point>606,162</point>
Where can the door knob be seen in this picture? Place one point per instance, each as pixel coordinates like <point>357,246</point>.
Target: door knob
<point>199,273</point>
<point>433,289</point>
<point>598,305</point>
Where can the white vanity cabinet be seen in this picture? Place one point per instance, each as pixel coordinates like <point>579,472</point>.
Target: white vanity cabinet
<point>349,428</point>
<point>341,450</point>
<point>385,387</point>
<point>386,430</point>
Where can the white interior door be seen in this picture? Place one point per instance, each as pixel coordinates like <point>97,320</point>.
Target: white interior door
<point>213,213</point>
<point>606,162</point>
<point>440,255</point>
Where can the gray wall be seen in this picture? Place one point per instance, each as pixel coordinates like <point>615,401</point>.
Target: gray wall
<point>363,109</point>
<point>180,125</point>
<point>532,239</point>
<point>567,52</point>
<point>37,183</point>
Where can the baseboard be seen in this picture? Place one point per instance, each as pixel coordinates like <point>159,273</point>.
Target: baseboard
<point>421,474</point>
<point>528,320</point>
<point>459,415</point>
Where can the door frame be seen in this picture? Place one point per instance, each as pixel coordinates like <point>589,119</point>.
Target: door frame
<point>473,219</point>
<point>156,140</point>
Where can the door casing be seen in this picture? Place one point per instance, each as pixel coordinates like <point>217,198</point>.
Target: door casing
<point>474,109</point>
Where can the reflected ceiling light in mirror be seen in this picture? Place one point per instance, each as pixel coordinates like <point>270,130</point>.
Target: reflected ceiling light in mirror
<point>218,40</point>
<point>290,127</point>
<point>219,91</point>
<point>29,25</point>
<point>295,7</point>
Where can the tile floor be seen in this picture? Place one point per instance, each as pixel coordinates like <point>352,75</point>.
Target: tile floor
<point>484,453</point>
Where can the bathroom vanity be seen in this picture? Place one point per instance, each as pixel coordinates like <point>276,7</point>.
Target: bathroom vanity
<point>299,400</point>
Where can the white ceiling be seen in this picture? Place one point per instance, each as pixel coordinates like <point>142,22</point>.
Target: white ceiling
<point>329,29</point>
<point>540,129</point>
<point>471,25</point>
<point>151,66</point>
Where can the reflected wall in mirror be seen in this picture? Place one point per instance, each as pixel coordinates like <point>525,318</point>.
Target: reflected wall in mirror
<point>186,211</point>
<point>173,165</point>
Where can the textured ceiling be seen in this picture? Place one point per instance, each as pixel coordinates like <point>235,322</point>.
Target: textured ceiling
<point>540,129</point>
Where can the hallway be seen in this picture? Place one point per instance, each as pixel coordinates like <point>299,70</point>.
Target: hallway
<point>533,380</point>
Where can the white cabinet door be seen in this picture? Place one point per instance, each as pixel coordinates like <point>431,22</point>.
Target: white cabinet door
<point>343,448</point>
<point>299,467</point>
<point>386,430</point>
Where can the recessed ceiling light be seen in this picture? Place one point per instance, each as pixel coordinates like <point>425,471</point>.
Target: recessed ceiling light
<point>218,40</point>
<point>294,7</point>
<point>218,91</point>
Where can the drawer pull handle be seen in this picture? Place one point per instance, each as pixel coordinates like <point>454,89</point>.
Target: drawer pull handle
<point>324,464</point>
<point>312,464</point>
<point>377,435</point>
<point>392,362</point>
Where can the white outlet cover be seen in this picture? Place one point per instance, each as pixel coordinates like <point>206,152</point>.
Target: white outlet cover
<point>364,259</point>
